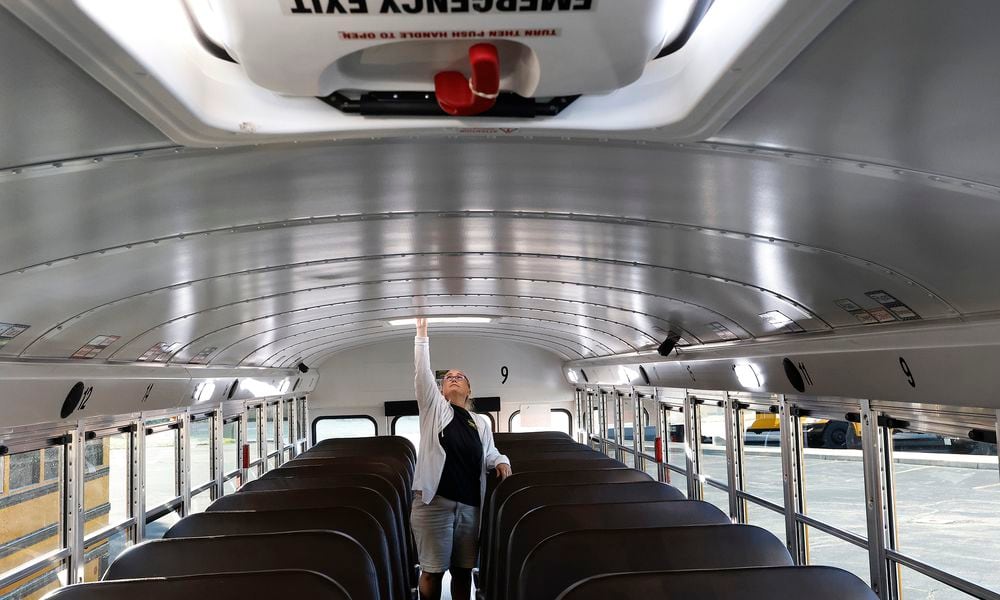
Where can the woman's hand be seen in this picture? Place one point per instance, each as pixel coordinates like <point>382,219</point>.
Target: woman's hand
<point>421,326</point>
<point>503,471</point>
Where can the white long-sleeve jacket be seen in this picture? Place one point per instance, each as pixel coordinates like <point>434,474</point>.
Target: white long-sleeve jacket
<point>435,414</point>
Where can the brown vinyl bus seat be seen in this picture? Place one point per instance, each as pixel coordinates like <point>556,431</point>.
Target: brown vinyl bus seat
<point>216,586</point>
<point>294,482</point>
<point>392,469</point>
<point>566,558</point>
<point>353,522</point>
<point>388,442</point>
<point>381,478</point>
<point>406,466</point>
<point>400,508</point>
<point>546,521</point>
<point>554,453</point>
<point>769,583</point>
<point>521,502</point>
<point>335,555</point>
<point>340,480</point>
<point>530,435</point>
<point>512,445</point>
<point>365,499</point>
<point>519,481</point>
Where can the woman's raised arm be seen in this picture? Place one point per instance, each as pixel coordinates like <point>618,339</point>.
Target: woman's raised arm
<point>424,384</point>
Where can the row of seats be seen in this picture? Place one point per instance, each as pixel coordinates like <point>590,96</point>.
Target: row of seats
<point>331,523</point>
<point>573,524</point>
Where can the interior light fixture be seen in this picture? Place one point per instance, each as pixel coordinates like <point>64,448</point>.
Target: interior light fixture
<point>204,392</point>
<point>572,376</point>
<point>398,322</point>
<point>747,376</point>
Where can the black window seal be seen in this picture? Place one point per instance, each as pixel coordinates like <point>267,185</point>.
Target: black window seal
<point>339,418</point>
<point>510,419</point>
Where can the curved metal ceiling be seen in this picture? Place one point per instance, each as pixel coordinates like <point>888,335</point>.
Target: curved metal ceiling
<point>263,256</point>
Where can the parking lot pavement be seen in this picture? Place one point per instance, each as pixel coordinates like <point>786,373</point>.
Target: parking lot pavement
<point>947,516</point>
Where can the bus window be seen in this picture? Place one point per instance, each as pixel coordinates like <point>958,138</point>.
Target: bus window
<point>31,509</point>
<point>230,447</point>
<point>829,550</point>
<point>200,440</point>
<point>343,427</point>
<point>946,494</point>
<point>99,554</point>
<point>833,480</point>
<point>200,501</point>
<point>302,421</point>
<point>712,465</point>
<point>107,483</point>
<point>676,455</point>
<point>161,467</point>
<point>270,435</point>
<point>253,433</point>
<point>286,424</point>
<point>762,468</point>
<point>408,426</point>
<point>158,524</point>
<point>762,455</point>
<point>559,420</point>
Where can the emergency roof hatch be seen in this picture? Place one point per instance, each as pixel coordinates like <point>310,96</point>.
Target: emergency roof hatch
<point>233,72</point>
<point>546,47</point>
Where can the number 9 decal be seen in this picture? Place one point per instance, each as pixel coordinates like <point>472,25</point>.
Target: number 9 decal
<point>907,372</point>
<point>504,372</point>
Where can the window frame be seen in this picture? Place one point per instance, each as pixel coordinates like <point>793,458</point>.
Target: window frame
<point>340,418</point>
<point>510,420</point>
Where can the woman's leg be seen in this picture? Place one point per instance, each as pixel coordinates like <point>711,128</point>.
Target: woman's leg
<point>464,551</point>
<point>433,529</point>
<point>430,586</point>
<point>461,583</point>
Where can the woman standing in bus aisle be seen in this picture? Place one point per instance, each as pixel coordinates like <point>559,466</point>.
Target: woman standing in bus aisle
<point>456,453</point>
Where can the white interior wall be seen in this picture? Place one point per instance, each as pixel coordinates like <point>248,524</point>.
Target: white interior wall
<point>359,381</point>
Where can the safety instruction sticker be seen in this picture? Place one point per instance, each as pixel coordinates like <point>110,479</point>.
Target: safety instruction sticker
<point>95,346</point>
<point>431,7</point>
<point>202,357</point>
<point>859,313</point>
<point>722,331</point>
<point>448,34</point>
<point>160,352</point>
<point>898,309</point>
<point>10,331</point>
<point>779,319</point>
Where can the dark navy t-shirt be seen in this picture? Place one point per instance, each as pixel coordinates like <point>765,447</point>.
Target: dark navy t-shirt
<point>463,459</point>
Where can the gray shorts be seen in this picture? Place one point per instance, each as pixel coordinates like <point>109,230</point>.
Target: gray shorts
<point>446,532</point>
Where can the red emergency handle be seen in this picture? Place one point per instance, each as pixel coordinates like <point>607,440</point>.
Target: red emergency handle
<point>246,456</point>
<point>659,449</point>
<point>463,97</point>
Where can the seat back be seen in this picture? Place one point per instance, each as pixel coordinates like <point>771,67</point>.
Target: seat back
<point>401,461</point>
<point>217,586</point>
<point>400,508</point>
<point>519,481</point>
<point>388,442</point>
<point>391,470</point>
<point>524,500</point>
<point>335,555</point>
<point>365,499</point>
<point>773,583</point>
<point>542,523</point>
<point>566,558</point>
<point>352,522</point>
